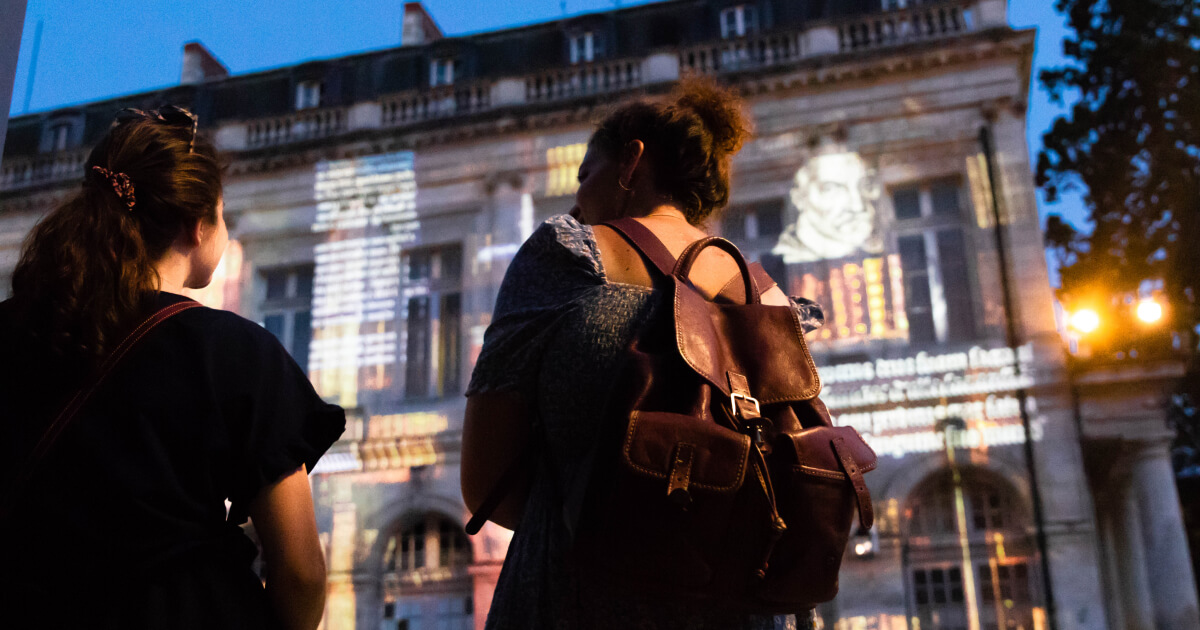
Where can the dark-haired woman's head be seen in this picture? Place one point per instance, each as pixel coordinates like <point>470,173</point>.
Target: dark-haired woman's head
<point>674,150</point>
<point>151,189</point>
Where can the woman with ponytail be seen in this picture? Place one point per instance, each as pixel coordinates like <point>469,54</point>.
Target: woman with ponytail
<point>131,458</point>
<point>572,300</point>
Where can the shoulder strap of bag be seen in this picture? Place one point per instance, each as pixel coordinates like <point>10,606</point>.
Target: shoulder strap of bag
<point>71,409</point>
<point>645,242</point>
<point>652,249</point>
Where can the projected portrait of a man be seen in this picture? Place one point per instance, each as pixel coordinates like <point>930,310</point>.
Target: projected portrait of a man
<point>832,210</point>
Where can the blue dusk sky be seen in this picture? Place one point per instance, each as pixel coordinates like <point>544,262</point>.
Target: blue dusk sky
<point>92,50</point>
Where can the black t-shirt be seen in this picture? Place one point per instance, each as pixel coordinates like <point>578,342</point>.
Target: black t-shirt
<point>125,518</point>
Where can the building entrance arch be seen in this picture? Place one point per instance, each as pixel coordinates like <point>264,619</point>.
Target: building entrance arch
<point>969,553</point>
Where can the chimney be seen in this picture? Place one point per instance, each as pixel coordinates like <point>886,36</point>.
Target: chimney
<point>199,65</point>
<point>418,27</point>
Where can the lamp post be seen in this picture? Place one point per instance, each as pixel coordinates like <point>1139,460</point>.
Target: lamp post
<point>949,427</point>
<point>1013,339</point>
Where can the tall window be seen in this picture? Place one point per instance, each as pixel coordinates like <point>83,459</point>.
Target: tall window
<point>433,339</point>
<point>441,72</point>
<point>934,257</point>
<point>746,224</point>
<point>308,94</point>
<point>583,48</point>
<point>287,308</point>
<point>425,580</point>
<point>738,21</point>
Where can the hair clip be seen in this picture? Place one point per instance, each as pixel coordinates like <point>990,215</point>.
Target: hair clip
<point>121,184</point>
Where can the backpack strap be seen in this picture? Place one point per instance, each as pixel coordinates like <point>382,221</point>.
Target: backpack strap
<point>74,404</point>
<point>735,289</point>
<point>645,242</point>
<point>654,252</point>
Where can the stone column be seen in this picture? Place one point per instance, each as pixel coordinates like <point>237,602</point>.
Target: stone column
<point>1133,581</point>
<point>1172,585</point>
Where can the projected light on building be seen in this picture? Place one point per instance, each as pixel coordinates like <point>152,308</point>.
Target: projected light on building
<point>367,207</point>
<point>897,403</point>
<point>862,298</point>
<point>832,210</point>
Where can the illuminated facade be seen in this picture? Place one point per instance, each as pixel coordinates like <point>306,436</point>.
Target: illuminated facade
<point>375,200</point>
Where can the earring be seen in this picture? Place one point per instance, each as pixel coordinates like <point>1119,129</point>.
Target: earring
<point>624,186</point>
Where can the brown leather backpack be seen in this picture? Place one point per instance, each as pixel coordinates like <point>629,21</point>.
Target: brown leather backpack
<point>719,476</point>
<point>725,479</point>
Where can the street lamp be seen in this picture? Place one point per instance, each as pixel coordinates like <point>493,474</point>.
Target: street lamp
<point>1149,311</point>
<point>1085,320</point>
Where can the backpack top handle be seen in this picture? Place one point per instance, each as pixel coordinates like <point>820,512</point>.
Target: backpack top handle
<point>686,259</point>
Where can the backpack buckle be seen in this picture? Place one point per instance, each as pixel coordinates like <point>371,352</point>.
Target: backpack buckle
<point>733,398</point>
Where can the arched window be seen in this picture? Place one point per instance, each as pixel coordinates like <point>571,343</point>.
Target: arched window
<point>968,553</point>
<point>425,580</point>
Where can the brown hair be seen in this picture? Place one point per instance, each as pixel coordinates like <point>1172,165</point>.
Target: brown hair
<point>690,138</point>
<point>88,268</point>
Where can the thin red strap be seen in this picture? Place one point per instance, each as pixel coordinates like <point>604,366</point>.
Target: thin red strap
<point>645,242</point>
<point>69,411</point>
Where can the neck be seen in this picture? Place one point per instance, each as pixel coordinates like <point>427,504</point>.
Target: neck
<point>662,210</point>
<point>173,270</point>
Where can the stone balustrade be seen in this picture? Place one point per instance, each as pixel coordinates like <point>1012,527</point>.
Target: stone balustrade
<point>438,102</point>
<point>583,80</point>
<point>891,28</point>
<point>23,172</point>
<point>302,125</point>
<point>743,53</point>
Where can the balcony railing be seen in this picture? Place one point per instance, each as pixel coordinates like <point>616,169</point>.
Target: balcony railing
<point>303,125</point>
<point>892,28</point>
<point>22,172</point>
<point>743,53</point>
<point>592,78</point>
<point>438,102</point>
<point>880,30</point>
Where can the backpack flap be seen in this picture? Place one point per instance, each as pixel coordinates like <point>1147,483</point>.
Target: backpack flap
<point>763,343</point>
<point>837,453</point>
<point>686,453</point>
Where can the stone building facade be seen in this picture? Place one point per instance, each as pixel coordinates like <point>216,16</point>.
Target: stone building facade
<point>375,200</point>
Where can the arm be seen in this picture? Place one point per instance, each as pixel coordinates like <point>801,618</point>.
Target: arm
<point>287,526</point>
<point>495,433</point>
<point>775,297</point>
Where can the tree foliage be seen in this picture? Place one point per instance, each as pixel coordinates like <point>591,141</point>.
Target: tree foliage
<point>1131,145</point>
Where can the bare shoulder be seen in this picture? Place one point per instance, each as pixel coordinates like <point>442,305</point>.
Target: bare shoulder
<point>622,263</point>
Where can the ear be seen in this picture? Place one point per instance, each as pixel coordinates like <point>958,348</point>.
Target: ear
<point>195,234</point>
<point>631,156</point>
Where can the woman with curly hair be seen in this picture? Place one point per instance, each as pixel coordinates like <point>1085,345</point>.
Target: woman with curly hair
<point>573,298</point>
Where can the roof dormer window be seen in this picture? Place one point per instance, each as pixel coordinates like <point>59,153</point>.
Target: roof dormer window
<point>60,136</point>
<point>308,95</point>
<point>738,21</point>
<point>441,72</point>
<point>583,48</point>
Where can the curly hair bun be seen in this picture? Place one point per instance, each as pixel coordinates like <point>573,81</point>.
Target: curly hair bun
<point>690,138</point>
<point>720,109</point>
